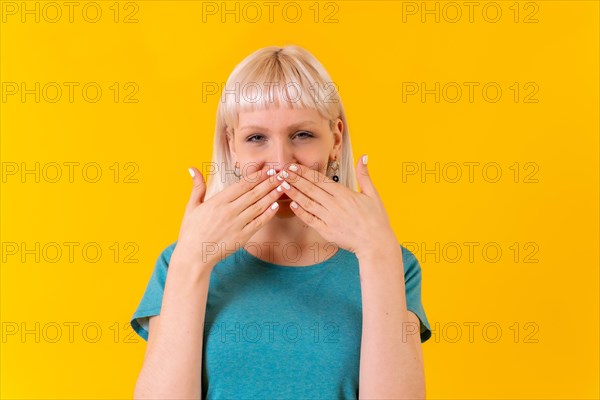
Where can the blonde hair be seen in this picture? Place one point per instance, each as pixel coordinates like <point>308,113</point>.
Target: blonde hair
<point>274,68</point>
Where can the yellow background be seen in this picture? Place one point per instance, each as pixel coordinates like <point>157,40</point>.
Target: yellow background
<point>369,53</point>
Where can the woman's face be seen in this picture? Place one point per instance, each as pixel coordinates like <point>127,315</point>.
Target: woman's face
<point>282,136</point>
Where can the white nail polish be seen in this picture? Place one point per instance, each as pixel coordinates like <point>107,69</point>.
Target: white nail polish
<point>294,204</point>
<point>364,159</point>
<point>279,178</point>
<point>192,173</point>
<point>271,172</point>
<point>274,206</point>
<point>284,174</point>
<point>293,167</point>
<point>279,188</point>
<point>285,185</point>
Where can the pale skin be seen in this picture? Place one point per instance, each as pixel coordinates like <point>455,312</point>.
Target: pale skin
<point>328,212</point>
<point>172,367</point>
<point>278,143</point>
<point>391,365</point>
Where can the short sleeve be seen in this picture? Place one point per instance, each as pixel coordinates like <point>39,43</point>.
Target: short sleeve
<point>151,302</point>
<point>412,282</point>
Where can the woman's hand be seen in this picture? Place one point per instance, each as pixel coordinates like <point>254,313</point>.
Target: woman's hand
<point>217,227</point>
<point>355,221</point>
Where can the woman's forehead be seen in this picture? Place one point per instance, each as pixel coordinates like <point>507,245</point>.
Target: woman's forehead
<point>279,115</point>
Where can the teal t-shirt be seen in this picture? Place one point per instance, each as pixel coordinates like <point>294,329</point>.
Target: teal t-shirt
<point>281,332</point>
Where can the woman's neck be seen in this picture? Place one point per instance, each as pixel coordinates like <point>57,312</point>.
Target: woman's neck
<point>289,241</point>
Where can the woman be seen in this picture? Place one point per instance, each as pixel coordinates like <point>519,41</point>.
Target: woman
<point>297,278</point>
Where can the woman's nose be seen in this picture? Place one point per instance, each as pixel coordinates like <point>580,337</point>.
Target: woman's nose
<point>280,157</point>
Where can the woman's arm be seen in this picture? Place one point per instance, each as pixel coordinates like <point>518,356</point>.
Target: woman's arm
<point>172,366</point>
<point>391,361</point>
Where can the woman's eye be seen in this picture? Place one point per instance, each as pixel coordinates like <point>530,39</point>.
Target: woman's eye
<point>258,138</point>
<point>306,134</point>
<point>249,139</point>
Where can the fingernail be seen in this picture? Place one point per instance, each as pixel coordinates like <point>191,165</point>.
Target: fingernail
<point>293,167</point>
<point>271,172</point>
<point>294,204</point>
<point>279,188</point>
<point>274,206</point>
<point>364,159</point>
<point>192,173</point>
<point>285,185</point>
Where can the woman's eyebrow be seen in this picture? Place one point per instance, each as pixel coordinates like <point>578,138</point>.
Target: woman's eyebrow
<point>290,127</point>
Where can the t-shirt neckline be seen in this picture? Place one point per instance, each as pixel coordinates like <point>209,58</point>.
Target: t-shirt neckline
<point>292,269</point>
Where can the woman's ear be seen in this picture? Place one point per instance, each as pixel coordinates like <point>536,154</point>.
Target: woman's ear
<point>337,130</point>
<point>231,142</point>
